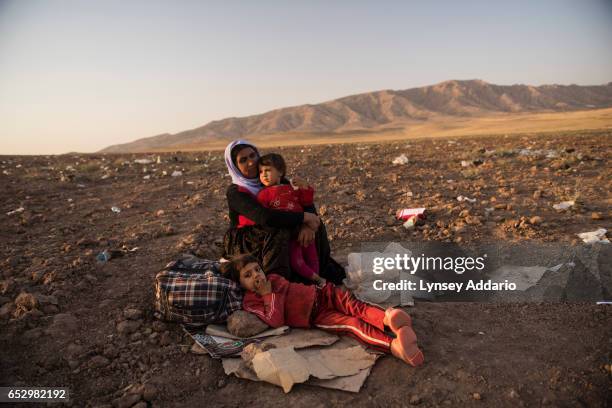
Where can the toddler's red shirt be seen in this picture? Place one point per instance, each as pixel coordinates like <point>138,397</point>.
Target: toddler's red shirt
<point>284,197</point>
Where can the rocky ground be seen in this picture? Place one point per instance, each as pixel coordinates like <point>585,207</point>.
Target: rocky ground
<point>68,319</point>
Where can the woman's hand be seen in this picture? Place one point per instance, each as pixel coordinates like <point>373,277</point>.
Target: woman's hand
<point>311,220</point>
<point>306,235</point>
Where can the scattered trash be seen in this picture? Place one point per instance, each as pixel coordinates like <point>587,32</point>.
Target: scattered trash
<point>564,205</point>
<point>16,211</point>
<point>408,213</point>
<point>550,154</point>
<point>103,256</point>
<point>148,176</point>
<point>143,161</point>
<point>604,302</point>
<point>158,160</point>
<point>402,159</point>
<point>593,237</point>
<point>464,198</point>
<point>410,223</point>
<point>116,210</point>
<point>176,173</point>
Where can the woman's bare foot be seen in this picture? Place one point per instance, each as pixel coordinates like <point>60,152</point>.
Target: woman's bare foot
<point>396,319</point>
<point>405,347</point>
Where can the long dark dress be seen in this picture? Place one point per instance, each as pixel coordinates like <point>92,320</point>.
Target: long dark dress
<point>268,240</point>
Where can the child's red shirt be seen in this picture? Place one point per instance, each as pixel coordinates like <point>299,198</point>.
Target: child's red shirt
<point>284,197</point>
<point>288,304</point>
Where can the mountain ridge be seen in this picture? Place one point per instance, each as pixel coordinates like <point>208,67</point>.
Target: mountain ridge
<point>384,108</point>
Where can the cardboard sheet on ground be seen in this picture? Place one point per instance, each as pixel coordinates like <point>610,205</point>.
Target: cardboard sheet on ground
<point>221,331</point>
<point>300,338</point>
<point>345,365</point>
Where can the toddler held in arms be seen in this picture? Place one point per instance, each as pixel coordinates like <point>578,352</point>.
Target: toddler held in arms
<point>279,302</point>
<point>289,197</point>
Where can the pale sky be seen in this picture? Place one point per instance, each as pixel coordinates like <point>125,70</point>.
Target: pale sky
<point>82,75</point>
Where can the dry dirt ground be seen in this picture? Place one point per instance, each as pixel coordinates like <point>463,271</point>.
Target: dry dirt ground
<point>69,320</point>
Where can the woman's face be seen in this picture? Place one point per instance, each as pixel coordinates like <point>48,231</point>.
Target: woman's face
<point>252,277</point>
<point>246,161</point>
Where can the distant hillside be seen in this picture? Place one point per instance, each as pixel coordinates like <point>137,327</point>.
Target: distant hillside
<point>386,109</point>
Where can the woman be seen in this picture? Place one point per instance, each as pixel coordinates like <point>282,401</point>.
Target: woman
<point>266,233</point>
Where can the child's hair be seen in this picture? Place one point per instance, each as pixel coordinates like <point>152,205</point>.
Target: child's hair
<point>274,160</point>
<point>231,269</point>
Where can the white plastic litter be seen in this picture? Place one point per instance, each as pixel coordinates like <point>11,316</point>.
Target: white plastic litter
<point>143,161</point>
<point>176,173</point>
<point>464,198</point>
<point>593,237</point>
<point>16,211</point>
<point>360,276</point>
<point>402,159</point>
<point>564,205</point>
<point>116,210</point>
<point>465,163</point>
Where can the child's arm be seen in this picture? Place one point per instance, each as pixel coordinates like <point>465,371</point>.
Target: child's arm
<point>268,306</point>
<point>304,192</point>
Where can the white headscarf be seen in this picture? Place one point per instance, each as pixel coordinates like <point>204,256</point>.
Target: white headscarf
<point>251,184</point>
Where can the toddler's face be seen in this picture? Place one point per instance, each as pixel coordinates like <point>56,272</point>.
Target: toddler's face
<point>269,175</point>
<point>252,277</point>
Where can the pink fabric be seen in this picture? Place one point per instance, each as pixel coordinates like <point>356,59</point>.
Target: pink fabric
<point>304,260</point>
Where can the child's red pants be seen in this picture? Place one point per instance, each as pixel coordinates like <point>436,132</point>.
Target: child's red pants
<point>338,310</point>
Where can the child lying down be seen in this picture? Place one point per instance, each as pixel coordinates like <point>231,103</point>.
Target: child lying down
<point>279,302</point>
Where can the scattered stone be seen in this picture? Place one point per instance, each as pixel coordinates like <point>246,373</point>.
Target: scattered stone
<point>165,339</point>
<point>564,205</point>
<point>64,324</point>
<point>401,160</point>
<point>98,361</point>
<point>126,327</point>
<point>110,351</point>
<point>132,314</point>
<point>415,400</point>
<point>33,334</point>
<point>7,310</point>
<point>536,220</point>
<point>596,216</point>
<point>158,326</point>
<point>26,301</point>
<point>476,396</point>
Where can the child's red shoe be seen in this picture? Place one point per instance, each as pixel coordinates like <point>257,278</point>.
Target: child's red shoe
<point>405,347</point>
<point>396,319</point>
